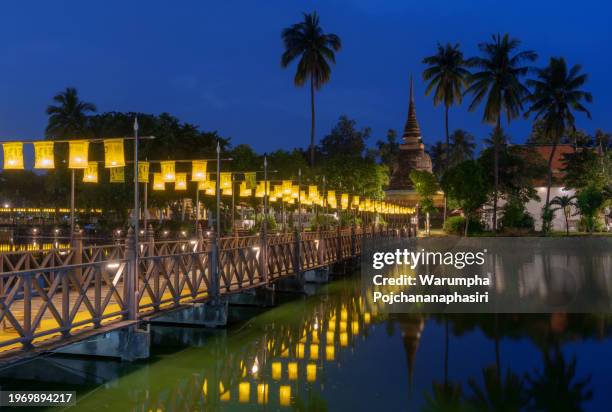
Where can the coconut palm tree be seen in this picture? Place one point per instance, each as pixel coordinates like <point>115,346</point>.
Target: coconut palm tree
<point>462,146</point>
<point>315,50</point>
<point>556,96</point>
<point>564,203</point>
<point>448,77</point>
<point>69,117</point>
<point>498,81</point>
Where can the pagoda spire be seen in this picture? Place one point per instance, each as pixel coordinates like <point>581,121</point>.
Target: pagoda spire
<point>412,132</point>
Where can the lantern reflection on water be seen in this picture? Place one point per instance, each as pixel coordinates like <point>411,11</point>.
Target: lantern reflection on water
<point>330,352</point>
<point>244,392</point>
<point>311,372</point>
<point>262,393</point>
<point>314,351</point>
<point>276,371</point>
<point>285,395</point>
<point>292,371</point>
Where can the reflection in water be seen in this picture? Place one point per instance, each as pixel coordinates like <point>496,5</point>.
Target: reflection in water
<point>333,352</point>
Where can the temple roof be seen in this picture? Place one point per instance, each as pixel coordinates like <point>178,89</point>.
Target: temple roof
<point>412,132</point>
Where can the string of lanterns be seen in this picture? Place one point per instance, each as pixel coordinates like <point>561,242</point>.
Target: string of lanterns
<point>286,191</point>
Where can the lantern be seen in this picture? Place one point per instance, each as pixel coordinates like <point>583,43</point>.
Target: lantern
<point>344,201</point>
<point>250,180</point>
<point>311,372</point>
<point>262,393</point>
<point>198,170</point>
<point>90,175</point>
<point>143,172</point>
<point>225,180</point>
<point>244,190</point>
<point>113,153</point>
<point>158,182</point>
<point>180,181</point>
<point>355,201</point>
<point>43,155</point>
<point>331,198</point>
<point>117,174</point>
<point>78,154</point>
<point>168,171</point>
<point>13,155</point>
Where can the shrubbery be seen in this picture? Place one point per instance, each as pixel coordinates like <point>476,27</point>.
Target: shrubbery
<point>455,225</point>
<point>516,217</point>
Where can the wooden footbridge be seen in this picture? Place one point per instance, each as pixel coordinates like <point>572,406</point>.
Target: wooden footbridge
<point>52,298</point>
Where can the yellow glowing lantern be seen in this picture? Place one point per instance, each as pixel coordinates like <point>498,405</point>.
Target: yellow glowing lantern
<point>344,201</point>
<point>330,352</point>
<point>117,174</point>
<point>343,339</point>
<point>244,392</point>
<point>262,393</point>
<point>277,371</point>
<point>227,192</point>
<point>250,180</point>
<point>143,172</point>
<point>43,155</point>
<point>313,192</point>
<point>331,198</point>
<point>198,170</point>
<point>180,181</point>
<point>90,174</point>
<point>292,371</point>
<point>224,394</point>
<point>168,170</point>
<point>355,201</point>
<point>78,156</point>
<point>314,351</point>
<point>158,182</point>
<point>13,155</point>
<point>225,180</point>
<point>285,395</point>
<point>311,372</point>
<point>113,153</point>
<point>354,327</point>
<point>262,189</point>
<point>244,190</point>
<point>300,351</point>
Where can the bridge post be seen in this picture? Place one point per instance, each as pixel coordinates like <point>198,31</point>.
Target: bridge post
<point>76,244</point>
<point>353,242</point>
<point>263,253</point>
<point>131,276</point>
<point>297,256</point>
<point>339,242</point>
<point>214,268</point>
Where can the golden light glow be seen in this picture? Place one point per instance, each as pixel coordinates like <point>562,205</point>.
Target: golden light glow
<point>277,371</point>
<point>225,180</point>
<point>354,327</point>
<point>180,181</point>
<point>314,351</point>
<point>285,395</point>
<point>13,155</point>
<point>117,174</point>
<point>343,326</point>
<point>300,351</point>
<point>315,336</point>
<point>244,191</point>
<point>344,339</point>
<point>168,170</point>
<point>244,392</point>
<point>311,372</point>
<point>43,155</point>
<point>344,201</point>
<point>143,172</point>
<point>198,171</point>
<point>158,182</point>
<point>329,352</point>
<point>366,318</point>
<point>78,157</point>
<point>262,393</point>
<point>292,371</point>
<point>205,388</point>
<point>113,153</point>
<point>90,175</point>
<point>329,336</point>
<point>224,394</point>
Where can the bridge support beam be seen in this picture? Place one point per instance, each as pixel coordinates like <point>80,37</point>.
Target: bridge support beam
<point>127,344</point>
<point>209,315</point>
<point>320,275</point>
<point>262,297</point>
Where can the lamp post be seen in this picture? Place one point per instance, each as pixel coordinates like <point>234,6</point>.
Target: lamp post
<point>218,189</point>
<point>71,203</point>
<point>300,199</point>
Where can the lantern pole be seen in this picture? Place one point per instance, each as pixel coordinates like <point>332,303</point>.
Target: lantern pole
<point>197,218</point>
<point>265,188</point>
<point>136,202</point>
<point>300,199</point>
<point>146,205</point>
<point>233,204</point>
<point>71,203</point>
<point>218,189</point>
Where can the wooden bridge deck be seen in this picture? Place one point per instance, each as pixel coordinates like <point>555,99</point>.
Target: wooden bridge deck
<point>47,297</point>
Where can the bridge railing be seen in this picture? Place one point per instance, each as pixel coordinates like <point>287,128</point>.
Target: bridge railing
<point>54,293</point>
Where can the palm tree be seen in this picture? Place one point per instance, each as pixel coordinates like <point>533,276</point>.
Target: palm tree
<point>556,95</point>
<point>438,158</point>
<point>565,203</point>
<point>462,146</point>
<point>446,74</point>
<point>315,50</point>
<point>69,117</point>
<point>499,82</point>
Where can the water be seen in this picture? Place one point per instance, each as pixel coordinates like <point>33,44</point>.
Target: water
<point>335,354</point>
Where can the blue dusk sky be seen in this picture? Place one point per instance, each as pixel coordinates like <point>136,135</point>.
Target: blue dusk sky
<point>217,64</point>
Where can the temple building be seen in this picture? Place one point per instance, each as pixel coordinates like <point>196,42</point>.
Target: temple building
<point>412,156</point>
